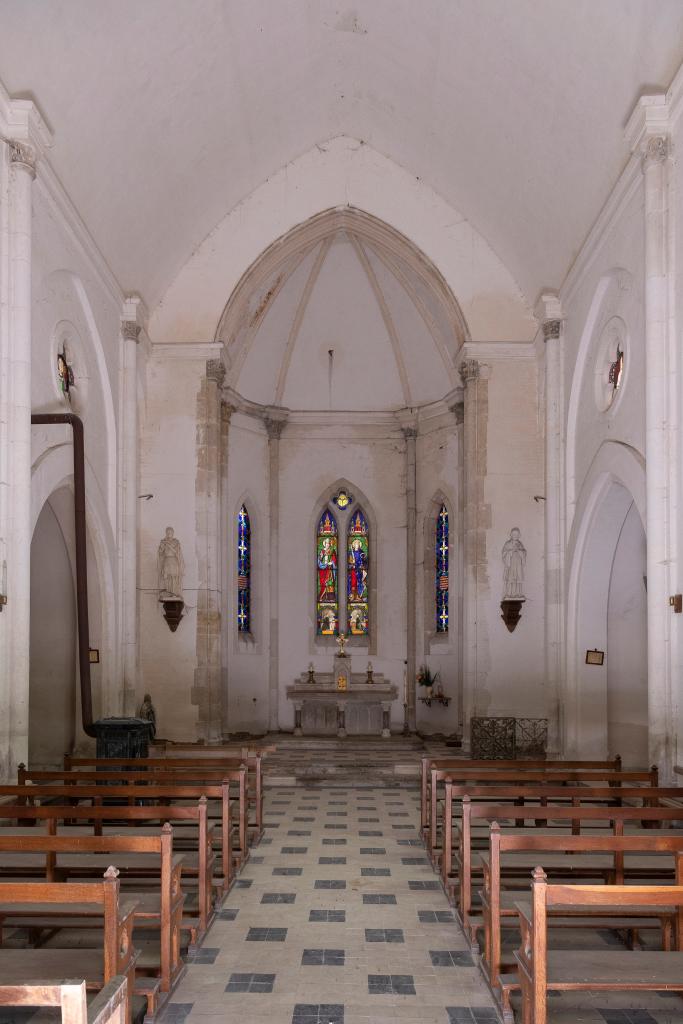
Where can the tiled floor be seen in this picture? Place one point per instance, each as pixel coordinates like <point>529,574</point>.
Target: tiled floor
<point>342,923</point>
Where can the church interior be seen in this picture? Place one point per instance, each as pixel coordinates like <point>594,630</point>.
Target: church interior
<point>340,562</point>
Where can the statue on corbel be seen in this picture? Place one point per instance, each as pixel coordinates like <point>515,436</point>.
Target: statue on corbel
<point>514,565</point>
<point>171,570</point>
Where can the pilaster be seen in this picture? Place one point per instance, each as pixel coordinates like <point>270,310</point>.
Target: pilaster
<point>410,437</point>
<point>274,421</point>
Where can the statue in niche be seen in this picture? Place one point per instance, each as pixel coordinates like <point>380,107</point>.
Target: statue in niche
<point>147,712</point>
<point>170,566</point>
<point>514,563</point>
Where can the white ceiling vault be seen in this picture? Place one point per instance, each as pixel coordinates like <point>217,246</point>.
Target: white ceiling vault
<point>167,113</point>
<point>342,313</point>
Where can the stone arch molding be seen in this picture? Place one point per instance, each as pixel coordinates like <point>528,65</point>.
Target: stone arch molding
<point>606,305</point>
<point>341,173</point>
<point>615,481</point>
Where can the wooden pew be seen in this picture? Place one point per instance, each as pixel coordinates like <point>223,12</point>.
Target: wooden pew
<point>455,764</point>
<point>99,966</point>
<point>196,923</point>
<point>589,816</point>
<point>542,971</point>
<point>211,768</point>
<point>133,792</point>
<point>161,908</point>
<point>108,1007</point>
<point>534,776</point>
<point>499,905</point>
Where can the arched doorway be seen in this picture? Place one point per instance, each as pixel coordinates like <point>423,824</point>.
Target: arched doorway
<point>606,705</point>
<point>53,662</point>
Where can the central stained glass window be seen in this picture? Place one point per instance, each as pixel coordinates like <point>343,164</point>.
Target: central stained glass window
<point>357,575</point>
<point>327,603</point>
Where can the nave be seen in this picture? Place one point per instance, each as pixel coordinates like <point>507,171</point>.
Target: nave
<point>336,918</point>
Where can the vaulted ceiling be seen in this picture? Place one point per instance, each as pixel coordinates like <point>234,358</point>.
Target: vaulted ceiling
<point>167,113</point>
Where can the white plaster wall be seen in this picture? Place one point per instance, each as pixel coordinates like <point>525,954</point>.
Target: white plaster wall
<point>343,172</point>
<point>511,666</point>
<point>437,461</point>
<point>627,646</point>
<point>168,467</point>
<point>245,693</point>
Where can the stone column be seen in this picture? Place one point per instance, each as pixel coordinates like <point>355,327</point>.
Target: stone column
<point>476,516</point>
<point>130,333</point>
<point>659,449</point>
<point>550,314</point>
<point>410,435</point>
<point>226,516</point>
<point>14,724</point>
<point>208,675</point>
<point>274,427</point>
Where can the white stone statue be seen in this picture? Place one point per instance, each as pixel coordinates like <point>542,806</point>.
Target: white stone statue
<point>514,563</point>
<point>170,566</point>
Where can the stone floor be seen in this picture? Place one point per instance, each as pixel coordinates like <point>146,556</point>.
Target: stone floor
<point>338,919</point>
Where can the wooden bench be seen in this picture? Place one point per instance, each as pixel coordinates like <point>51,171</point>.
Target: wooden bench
<point>211,768</point>
<point>456,764</point>
<point>108,1007</point>
<point>70,857</point>
<point>588,777</point>
<point>612,817</point>
<point>195,921</point>
<point>542,971</point>
<point>499,903</point>
<point>117,957</point>
<point>155,792</point>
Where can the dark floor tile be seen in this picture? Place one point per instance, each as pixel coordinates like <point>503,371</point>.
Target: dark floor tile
<point>373,850</point>
<point>336,826</point>
<point>367,833</point>
<point>227,914</point>
<point>255,859</point>
<point>409,842</point>
<point>384,935</point>
<point>391,984</point>
<point>244,883</point>
<point>414,860</point>
<point>471,1015</point>
<point>331,860</point>
<point>417,886</point>
<point>375,872</point>
<point>288,871</point>
<point>337,814</point>
<point>278,897</point>
<point>435,916</point>
<point>330,916</point>
<point>174,1013</point>
<point>323,958</point>
<point>335,842</point>
<point>266,935</point>
<point>397,827</point>
<point>318,1013</point>
<point>295,818</point>
<point>451,958</point>
<point>265,841</point>
<point>204,955</point>
<point>329,883</point>
<point>379,898</point>
<point>297,832</point>
<point>250,983</point>
<point>294,849</point>
<point>368,821</point>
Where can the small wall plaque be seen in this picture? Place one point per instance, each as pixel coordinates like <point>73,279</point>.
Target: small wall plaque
<point>94,656</point>
<point>595,657</point>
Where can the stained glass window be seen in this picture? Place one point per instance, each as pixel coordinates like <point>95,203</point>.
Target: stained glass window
<point>442,570</point>
<point>243,571</point>
<point>327,594</point>
<point>357,579</point>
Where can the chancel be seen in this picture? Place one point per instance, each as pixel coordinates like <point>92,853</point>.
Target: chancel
<point>340,481</point>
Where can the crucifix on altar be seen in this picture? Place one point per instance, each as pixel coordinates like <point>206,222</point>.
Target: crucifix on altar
<point>342,665</point>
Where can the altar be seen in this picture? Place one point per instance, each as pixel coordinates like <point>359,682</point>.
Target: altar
<point>342,702</point>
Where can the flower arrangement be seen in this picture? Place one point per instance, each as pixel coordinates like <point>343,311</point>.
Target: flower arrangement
<point>425,676</point>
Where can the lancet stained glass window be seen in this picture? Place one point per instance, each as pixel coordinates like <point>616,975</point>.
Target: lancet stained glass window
<point>243,571</point>
<point>327,603</point>
<point>357,578</point>
<point>442,570</point>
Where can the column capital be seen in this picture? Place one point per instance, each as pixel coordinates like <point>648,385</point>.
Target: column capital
<point>550,314</point>
<point>226,411</point>
<point>656,149</point>
<point>131,330</point>
<point>273,427</point>
<point>409,433</point>
<point>215,371</point>
<point>469,371</point>
<point>23,156</point>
